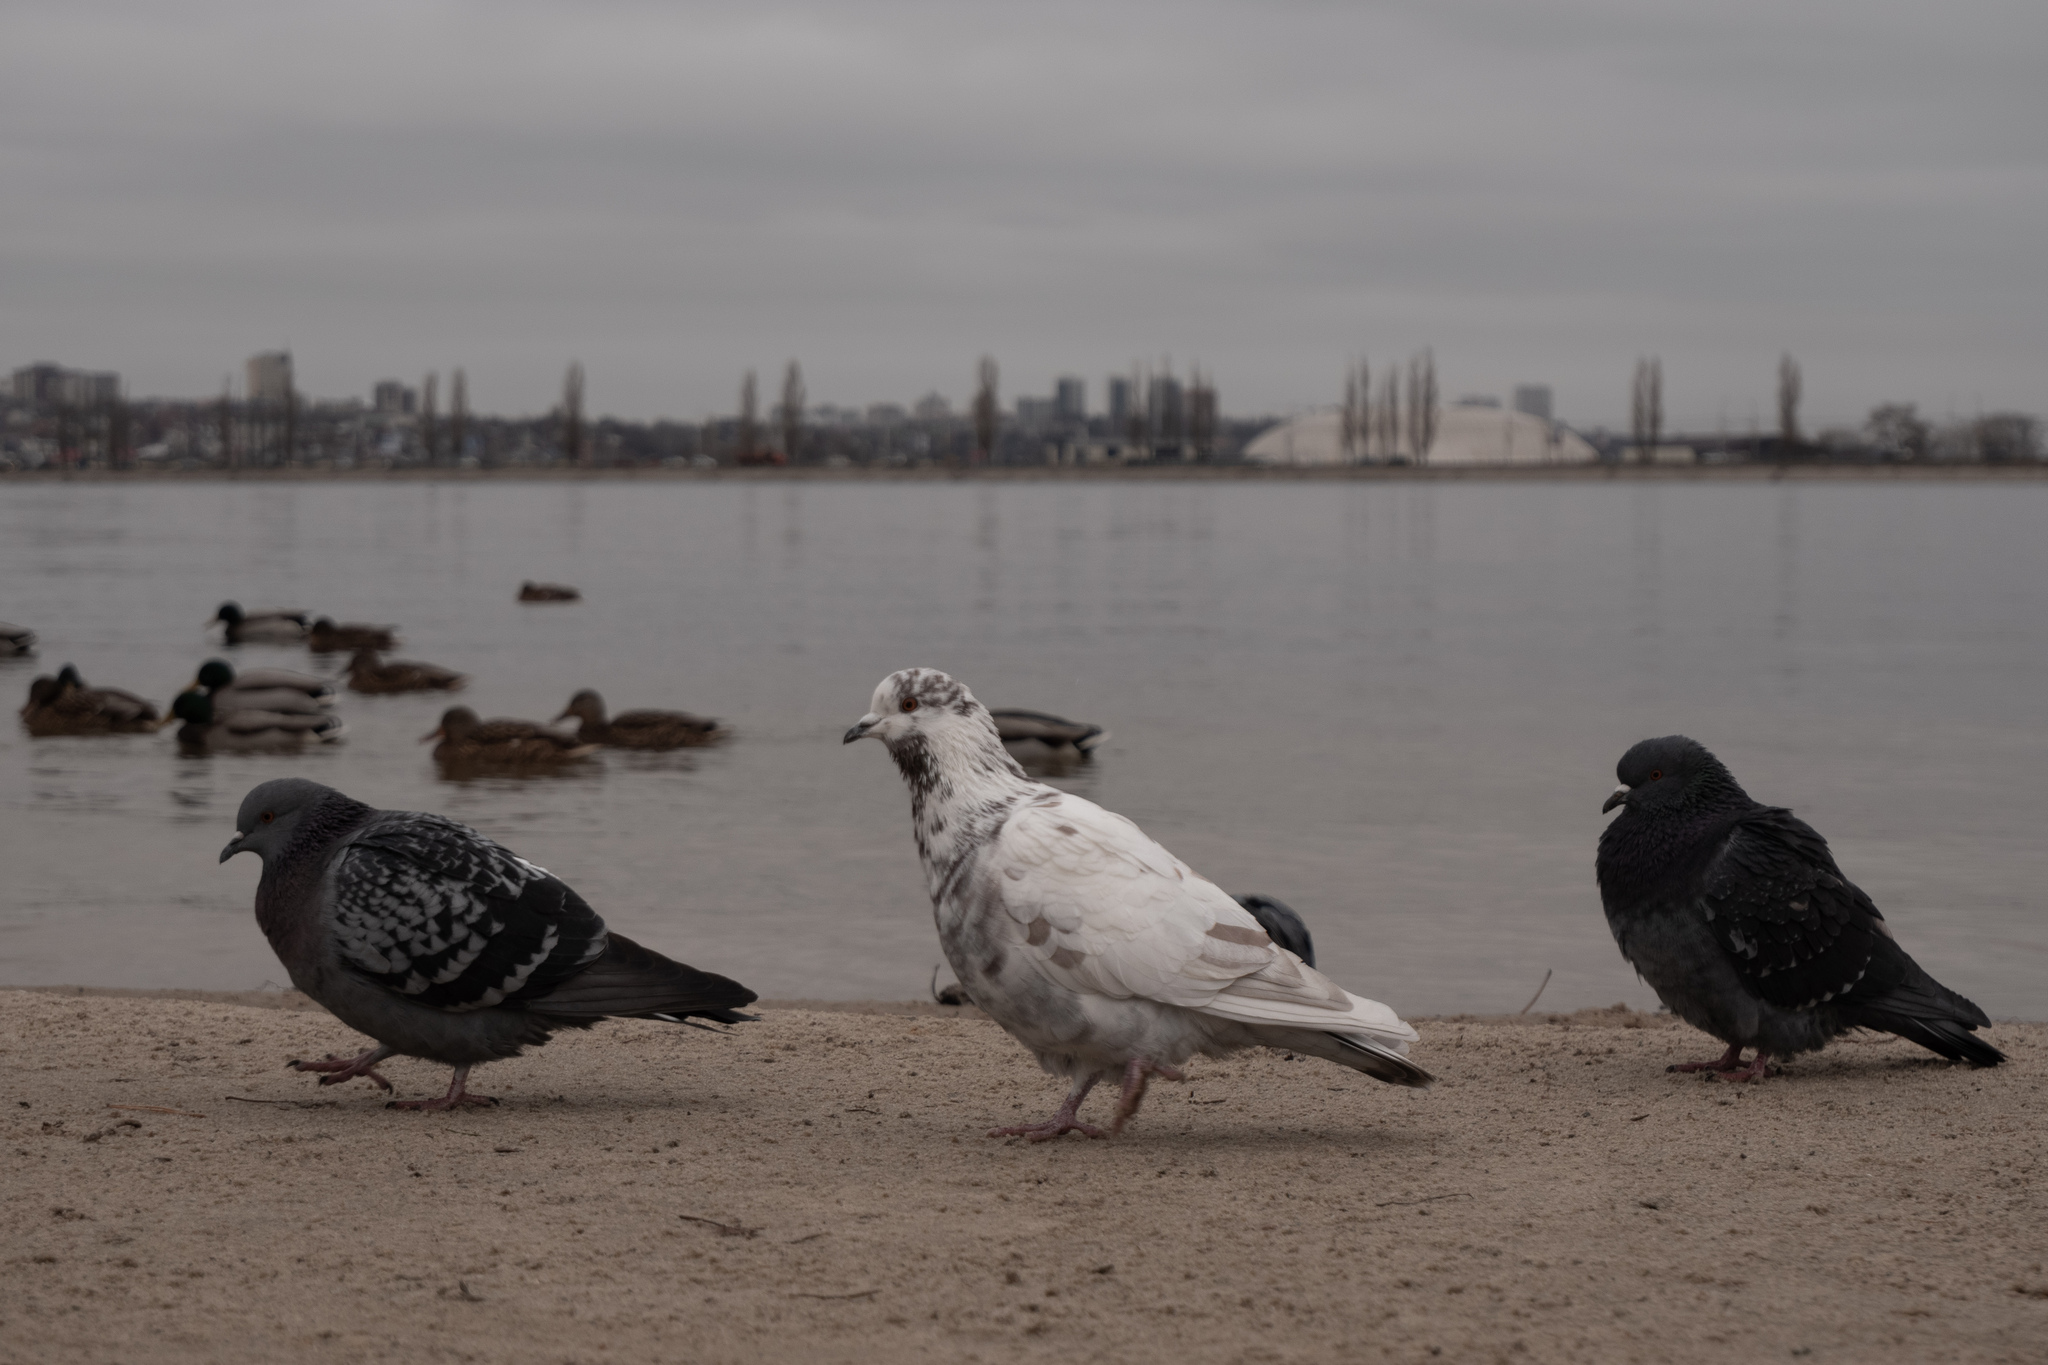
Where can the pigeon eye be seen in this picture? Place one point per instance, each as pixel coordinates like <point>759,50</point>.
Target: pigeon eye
<point>1656,774</point>
<point>909,704</point>
<point>268,817</point>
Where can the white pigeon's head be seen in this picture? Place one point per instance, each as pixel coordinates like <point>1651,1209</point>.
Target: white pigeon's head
<point>922,703</point>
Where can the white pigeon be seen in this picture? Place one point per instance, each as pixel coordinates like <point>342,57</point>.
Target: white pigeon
<point>1088,942</point>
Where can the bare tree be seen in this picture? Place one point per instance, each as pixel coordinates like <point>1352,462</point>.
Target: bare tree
<point>572,413</point>
<point>1422,414</point>
<point>430,424</point>
<point>985,407</point>
<point>1361,421</point>
<point>1788,402</point>
<point>225,414</point>
<point>290,455</point>
<point>1646,408</point>
<point>1896,429</point>
<point>791,410</point>
<point>1390,413</point>
<point>1137,427</point>
<point>1201,414</point>
<point>458,415</point>
<point>750,432</point>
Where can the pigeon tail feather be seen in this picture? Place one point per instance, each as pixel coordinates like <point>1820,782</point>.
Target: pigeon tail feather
<point>1922,1010</point>
<point>630,981</point>
<point>1359,1053</point>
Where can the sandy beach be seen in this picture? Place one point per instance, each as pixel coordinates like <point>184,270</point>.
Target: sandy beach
<point>817,1187</point>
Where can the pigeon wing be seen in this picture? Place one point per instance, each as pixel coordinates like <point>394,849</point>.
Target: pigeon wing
<point>1106,910</point>
<point>1783,913</point>
<point>433,910</point>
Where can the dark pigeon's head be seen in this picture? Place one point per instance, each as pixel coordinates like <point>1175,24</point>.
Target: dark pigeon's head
<point>271,813</point>
<point>229,613</point>
<point>1667,773</point>
<point>193,707</point>
<point>215,674</point>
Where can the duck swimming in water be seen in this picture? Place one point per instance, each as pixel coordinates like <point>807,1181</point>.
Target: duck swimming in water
<point>239,627</point>
<point>249,730</point>
<point>368,673</point>
<point>467,741</point>
<point>64,705</point>
<point>639,729</point>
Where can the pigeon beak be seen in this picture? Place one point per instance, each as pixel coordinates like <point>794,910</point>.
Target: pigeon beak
<point>234,846</point>
<point>861,728</point>
<point>1619,797</point>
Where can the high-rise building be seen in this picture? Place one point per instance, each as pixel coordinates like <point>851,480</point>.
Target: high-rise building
<point>1119,401</point>
<point>1035,412</point>
<point>270,378</point>
<point>1533,399</point>
<point>46,384</point>
<point>1070,399</point>
<point>393,399</point>
<point>1164,404</point>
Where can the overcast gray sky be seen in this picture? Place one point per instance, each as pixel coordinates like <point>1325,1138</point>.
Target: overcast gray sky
<point>674,193</point>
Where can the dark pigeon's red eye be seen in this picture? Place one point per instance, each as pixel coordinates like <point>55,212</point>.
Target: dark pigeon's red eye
<point>1656,774</point>
<point>909,704</point>
<point>268,817</point>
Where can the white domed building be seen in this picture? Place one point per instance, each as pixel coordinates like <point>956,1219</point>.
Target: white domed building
<point>1467,433</point>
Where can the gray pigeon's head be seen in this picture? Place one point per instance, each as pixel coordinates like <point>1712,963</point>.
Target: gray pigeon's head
<point>271,813</point>
<point>922,702</point>
<point>1667,773</point>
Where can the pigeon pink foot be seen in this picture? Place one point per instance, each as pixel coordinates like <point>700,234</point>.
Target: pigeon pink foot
<point>1059,1124</point>
<point>339,1069</point>
<point>458,1095</point>
<point>1731,1060</point>
<point>1755,1071</point>
<point>1137,1074</point>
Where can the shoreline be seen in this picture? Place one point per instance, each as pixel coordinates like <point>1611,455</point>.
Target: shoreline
<point>818,1186</point>
<point>1231,473</point>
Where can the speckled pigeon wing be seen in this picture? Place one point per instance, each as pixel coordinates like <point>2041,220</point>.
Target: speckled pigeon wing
<point>1106,910</point>
<point>1798,930</point>
<point>433,910</point>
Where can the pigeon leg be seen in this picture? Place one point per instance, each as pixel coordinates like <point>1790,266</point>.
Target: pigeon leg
<point>1060,1123</point>
<point>457,1096</point>
<point>339,1069</point>
<point>1731,1060</point>
<point>1136,1075</point>
<point>1755,1071</point>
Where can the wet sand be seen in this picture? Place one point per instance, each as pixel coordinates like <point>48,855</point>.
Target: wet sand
<point>817,1187</point>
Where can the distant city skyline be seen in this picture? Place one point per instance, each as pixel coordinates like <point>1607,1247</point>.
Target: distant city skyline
<point>675,195</point>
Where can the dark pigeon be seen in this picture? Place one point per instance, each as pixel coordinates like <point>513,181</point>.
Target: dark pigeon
<point>1282,925</point>
<point>439,943</point>
<point>1737,916</point>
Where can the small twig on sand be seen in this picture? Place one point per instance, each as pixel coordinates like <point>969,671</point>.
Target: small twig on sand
<point>463,1292</point>
<point>296,1104</point>
<point>157,1109</point>
<point>724,1229</point>
<point>1426,1199</point>
<point>1539,991</point>
<point>807,1237</point>
<point>857,1294</point>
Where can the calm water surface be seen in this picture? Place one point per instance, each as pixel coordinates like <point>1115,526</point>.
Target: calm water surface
<point>1397,707</point>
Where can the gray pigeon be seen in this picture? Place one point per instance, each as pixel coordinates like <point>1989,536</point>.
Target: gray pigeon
<point>1282,925</point>
<point>1089,943</point>
<point>440,944</point>
<point>16,639</point>
<point>1737,916</point>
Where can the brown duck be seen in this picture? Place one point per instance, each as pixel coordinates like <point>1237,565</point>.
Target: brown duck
<point>639,729</point>
<point>548,592</point>
<point>329,637</point>
<point>64,705</point>
<point>466,741</point>
<point>368,673</point>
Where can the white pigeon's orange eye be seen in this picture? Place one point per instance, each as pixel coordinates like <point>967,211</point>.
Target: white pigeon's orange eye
<point>909,704</point>
<point>268,817</point>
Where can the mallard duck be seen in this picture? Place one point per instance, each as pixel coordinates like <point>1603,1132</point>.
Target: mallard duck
<point>368,673</point>
<point>1036,729</point>
<point>639,729</point>
<point>64,705</point>
<point>239,627</point>
<point>466,741</point>
<point>16,639</point>
<point>264,689</point>
<point>330,637</point>
<point>249,730</point>
<point>548,592</point>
